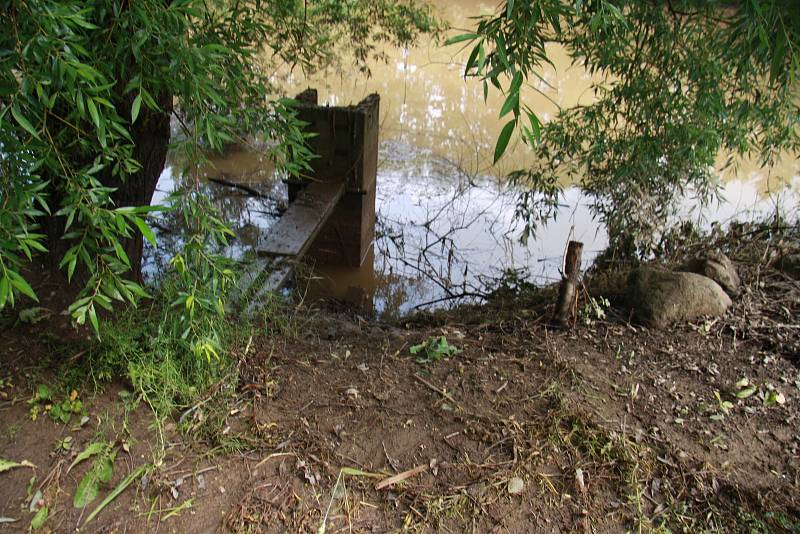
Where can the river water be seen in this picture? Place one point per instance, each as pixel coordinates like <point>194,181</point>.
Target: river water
<point>445,219</point>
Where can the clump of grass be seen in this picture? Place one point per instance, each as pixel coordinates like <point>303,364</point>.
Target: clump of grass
<point>142,346</point>
<point>276,316</point>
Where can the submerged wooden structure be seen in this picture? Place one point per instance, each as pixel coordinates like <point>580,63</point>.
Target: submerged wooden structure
<point>331,214</point>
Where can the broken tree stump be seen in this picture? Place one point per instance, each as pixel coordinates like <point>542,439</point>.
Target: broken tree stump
<point>565,306</point>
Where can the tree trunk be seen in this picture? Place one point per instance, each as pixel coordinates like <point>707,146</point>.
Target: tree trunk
<point>151,134</point>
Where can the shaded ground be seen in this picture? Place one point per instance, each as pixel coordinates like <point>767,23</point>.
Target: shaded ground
<point>603,428</point>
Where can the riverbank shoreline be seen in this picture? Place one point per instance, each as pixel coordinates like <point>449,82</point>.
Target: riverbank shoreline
<point>484,418</point>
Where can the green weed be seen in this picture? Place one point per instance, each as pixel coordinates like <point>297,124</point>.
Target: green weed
<point>277,317</point>
<point>594,310</point>
<point>434,349</point>
<point>44,401</point>
<point>767,523</point>
<point>163,366</point>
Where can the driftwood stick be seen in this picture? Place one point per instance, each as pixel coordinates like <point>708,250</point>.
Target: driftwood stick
<point>396,479</point>
<point>241,187</point>
<point>565,307</point>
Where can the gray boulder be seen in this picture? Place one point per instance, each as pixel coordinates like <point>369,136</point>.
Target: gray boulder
<point>660,298</point>
<point>719,268</point>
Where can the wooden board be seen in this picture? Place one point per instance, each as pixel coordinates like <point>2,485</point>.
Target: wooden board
<point>280,273</point>
<point>260,277</point>
<point>288,239</point>
<point>294,232</point>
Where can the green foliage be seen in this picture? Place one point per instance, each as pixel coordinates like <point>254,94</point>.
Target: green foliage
<point>508,48</point>
<point>434,349</point>
<point>766,523</point>
<point>33,315</point>
<point>100,472</point>
<point>40,518</point>
<point>680,82</point>
<point>122,486</point>
<point>59,410</point>
<point>594,310</point>
<point>201,277</point>
<point>6,465</point>
<point>102,454</point>
<point>93,449</point>
<point>83,83</point>
<point>63,411</point>
<point>150,349</point>
<point>320,33</point>
<point>88,94</point>
<point>511,283</point>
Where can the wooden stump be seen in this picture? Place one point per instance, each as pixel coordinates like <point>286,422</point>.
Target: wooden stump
<point>565,306</point>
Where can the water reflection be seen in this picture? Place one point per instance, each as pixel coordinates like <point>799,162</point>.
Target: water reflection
<point>445,219</point>
<point>250,212</point>
<point>426,103</point>
<point>442,232</point>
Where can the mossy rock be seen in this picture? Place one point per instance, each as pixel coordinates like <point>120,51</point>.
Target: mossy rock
<point>718,267</point>
<point>660,298</point>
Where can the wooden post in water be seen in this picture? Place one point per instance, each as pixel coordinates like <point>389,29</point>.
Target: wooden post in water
<point>346,140</point>
<point>565,306</point>
<point>331,216</point>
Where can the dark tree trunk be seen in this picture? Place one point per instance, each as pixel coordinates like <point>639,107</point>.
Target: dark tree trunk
<point>151,134</point>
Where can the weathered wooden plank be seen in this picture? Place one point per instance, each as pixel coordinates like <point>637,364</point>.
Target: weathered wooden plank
<point>294,232</point>
<point>281,271</point>
<point>258,278</point>
<point>329,212</point>
<point>345,140</point>
<point>249,282</point>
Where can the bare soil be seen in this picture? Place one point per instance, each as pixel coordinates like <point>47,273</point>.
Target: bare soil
<point>605,427</point>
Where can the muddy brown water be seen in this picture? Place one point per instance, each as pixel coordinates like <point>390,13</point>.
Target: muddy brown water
<point>446,222</point>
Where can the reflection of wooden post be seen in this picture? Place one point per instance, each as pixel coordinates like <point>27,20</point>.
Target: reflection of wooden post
<point>569,284</point>
<point>346,141</point>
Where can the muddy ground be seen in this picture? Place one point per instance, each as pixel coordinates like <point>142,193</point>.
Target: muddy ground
<point>605,427</point>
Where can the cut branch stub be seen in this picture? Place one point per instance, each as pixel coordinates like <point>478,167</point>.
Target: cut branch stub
<point>565,307</point>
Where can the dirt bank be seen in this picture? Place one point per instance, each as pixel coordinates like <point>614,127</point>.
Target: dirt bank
<point>606,427</point>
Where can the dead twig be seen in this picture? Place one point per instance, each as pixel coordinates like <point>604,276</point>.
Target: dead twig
<point>247,189</point>
<point>396,479</point>
<point>441,392</point>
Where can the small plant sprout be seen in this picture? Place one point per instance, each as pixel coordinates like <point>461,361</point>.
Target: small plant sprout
<point>64,445</point>
<point>705,328</point>
<point>742,383</point>
<point>595,310</point>
<point>6,385</point>
<point>724,407</point>
<point>744,389</point>
<point>44,401</point>
<point>434,349</point>
<point>773,396</point>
